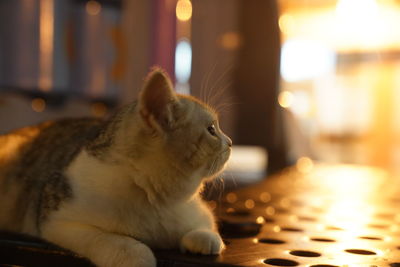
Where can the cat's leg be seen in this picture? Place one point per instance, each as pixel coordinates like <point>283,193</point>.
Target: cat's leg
<point>102,248</point>
<point>203,241</point>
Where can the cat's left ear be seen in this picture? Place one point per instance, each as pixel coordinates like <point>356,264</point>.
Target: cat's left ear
<point>157,101</point>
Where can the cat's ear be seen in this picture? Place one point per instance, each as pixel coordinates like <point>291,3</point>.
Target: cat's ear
<point>157,100</point>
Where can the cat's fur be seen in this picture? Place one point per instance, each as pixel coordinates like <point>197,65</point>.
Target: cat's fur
<point>111,190</point>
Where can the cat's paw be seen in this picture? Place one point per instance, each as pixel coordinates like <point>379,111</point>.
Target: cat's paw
<point>132,255</point>
<point>202,241</point>
<point>143,257</point>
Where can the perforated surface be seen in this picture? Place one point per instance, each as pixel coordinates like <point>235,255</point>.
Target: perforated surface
<point>329,216</point>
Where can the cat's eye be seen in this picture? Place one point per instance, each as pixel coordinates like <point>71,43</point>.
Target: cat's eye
<point>211,129</point>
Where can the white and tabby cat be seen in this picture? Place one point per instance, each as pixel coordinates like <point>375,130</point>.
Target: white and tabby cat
<point>111,190</point>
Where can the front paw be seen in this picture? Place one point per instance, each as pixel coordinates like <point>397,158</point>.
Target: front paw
<point>127,254</point>
<point>140,256</point>
<point>202,241</point>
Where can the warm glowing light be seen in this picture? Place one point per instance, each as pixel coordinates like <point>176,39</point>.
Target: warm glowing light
<point>360,25</point>
<point>265,197</point>
<point>338,60</point>
<point>249,204</point>
<point>93,8</point>
<point>293,218</point>
<point>99,109</point>
<point>260,220</point>
<point>184,10</point>
<point>320,227</point>
<point>393,228</point>
<point>286,24</point>
<point>46,38</point>
<point>230,40</point>
<point>302,104</point>
<point>276,229</point>
<point>231,197</point>
<point>11,144</point>
<point>285,203</point>
<point>285,99</point>
<point>212,204</point>
<point>343,212</point>
<point>230,210</point>
<point>351,8</point>
<point>350,25</point>
<point>38,104</point>
<point>304,165</point>
<point>298,102</point>
<point>270,210</point>
<point>352,189</point>
<point>303,59</point>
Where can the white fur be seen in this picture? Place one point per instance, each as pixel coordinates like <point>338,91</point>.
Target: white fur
<point>112,216</point>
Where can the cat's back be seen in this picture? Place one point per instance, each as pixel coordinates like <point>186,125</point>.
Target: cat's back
<point>51,143</point>
<point>34,157</point>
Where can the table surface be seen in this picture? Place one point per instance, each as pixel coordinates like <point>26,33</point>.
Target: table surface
<point>319,216</point>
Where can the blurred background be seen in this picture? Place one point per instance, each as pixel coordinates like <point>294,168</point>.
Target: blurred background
<point>294,81</point>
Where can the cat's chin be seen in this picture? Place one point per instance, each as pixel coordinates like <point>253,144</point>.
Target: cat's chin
<point>212,177</point>
<point>216,174</point>
<point>226,154</point>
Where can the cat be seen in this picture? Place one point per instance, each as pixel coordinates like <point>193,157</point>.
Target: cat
<point>113,190</point>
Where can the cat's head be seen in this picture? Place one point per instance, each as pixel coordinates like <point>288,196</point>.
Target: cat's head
<point>182,129</point>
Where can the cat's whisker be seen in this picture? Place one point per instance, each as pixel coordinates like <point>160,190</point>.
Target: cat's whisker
<point>225,106</point>
<point>203,89</point>
<point>218,187</point>
<point>219,80</point>
<point>216,98</point>
<point>222,189</point>
<point>208,88</point>
<point>224,78</point>
<point>233,179</point>
<point>211,189</point>
<point>226,102</point>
